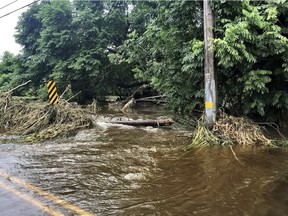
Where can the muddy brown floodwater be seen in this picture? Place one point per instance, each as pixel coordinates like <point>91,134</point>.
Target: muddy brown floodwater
<point>124,170</point>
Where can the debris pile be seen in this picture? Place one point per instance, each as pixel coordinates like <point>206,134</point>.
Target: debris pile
<point>41,122</point>
<point>229,130</point>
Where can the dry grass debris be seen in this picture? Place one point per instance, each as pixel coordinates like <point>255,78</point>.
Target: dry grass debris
<point>240,130</point>
<point>40,122</point>
<point>229,130</point>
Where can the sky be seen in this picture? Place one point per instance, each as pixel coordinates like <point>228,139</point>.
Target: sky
<point>8,24</point>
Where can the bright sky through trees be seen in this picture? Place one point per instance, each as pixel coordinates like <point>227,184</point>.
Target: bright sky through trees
<point>8,24</point>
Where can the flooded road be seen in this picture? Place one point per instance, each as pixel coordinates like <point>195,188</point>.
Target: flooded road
<point>125,170</point>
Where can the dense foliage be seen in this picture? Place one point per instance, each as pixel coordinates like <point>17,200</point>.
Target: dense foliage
<point>70,43</point>
<point>252,52</point>
<point>100,47</point>
<point>169,53</point>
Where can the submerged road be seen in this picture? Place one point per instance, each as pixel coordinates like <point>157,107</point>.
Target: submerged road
<point>124,170</point>
<point>21,198</point>
<point>15,202</point>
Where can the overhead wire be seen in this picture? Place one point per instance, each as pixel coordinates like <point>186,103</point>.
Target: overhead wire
<point>8,4</point>
<point>19,9</point>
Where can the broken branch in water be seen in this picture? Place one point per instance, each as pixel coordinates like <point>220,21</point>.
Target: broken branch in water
<point>235,156</point>
<point>128,106</point>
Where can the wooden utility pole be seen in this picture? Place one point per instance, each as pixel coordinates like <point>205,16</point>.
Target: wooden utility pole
<point>210,84</point>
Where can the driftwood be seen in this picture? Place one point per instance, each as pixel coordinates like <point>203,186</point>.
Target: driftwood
<point>155,99</point>
<point>128,107</point>
<point>148,122</point>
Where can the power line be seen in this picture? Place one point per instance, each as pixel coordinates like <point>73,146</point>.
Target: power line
<point>8,4</point>
<point>19,8</point>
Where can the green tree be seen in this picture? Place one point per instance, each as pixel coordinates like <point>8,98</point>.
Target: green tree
<point>165,48</point>
<point>11,73</point>
<point>34,62</point>
<point>70,43</point>
<point>166,52</point>
<point>99,47</point>
<point>252,60</point>
<point>7,67</point>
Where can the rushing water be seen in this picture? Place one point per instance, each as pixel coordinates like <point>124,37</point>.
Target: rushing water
<point>124,170</point>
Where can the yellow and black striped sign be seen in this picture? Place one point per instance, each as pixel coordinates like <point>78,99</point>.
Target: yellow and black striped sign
<point>53,96</point>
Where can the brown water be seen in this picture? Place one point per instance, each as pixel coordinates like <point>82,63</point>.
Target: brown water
<point>123,170</point>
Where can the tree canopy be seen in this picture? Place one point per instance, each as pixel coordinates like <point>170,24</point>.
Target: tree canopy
<point>101,47</point>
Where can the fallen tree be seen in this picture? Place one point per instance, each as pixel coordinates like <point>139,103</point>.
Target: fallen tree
<point>126,106</point>
<point>148,122</point>
<point>154,99</point>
